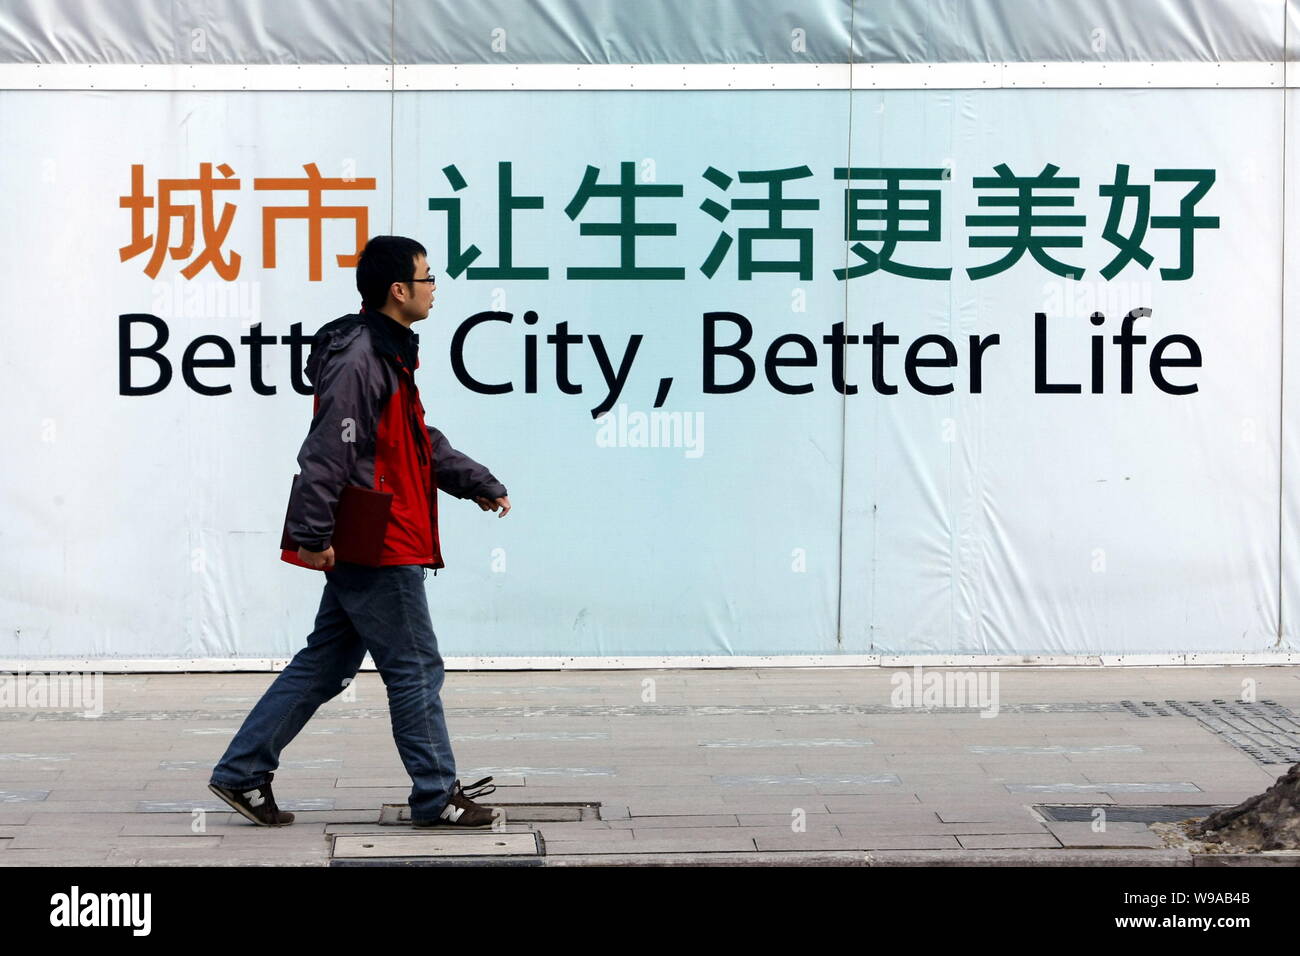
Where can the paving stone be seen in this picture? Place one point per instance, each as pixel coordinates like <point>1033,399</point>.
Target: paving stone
<point>985,841</point>
<point>60,838</point>
<point>588,846</point>
<point>368,799</point>
<point>1136,778</point>
<point>1115,834</point>
<point>247,836</point>
<point>983,814</point>
<point>830,839</point>
<point>67,794</point>
<point>858,838</point>
<point>46,857</point>
<point>931,824</point>
<point>814,819</point>
<point>782,742</point>
<point>58,815</point>
<point>686,840</point>
<point>214,803</point>
<point>1227,798</point>
<point>150,825</point>
<point>220,857</point>
<point>554,836</point>
<point>1019,769</point>
<point>906,814</point>
<point>815,779</point>
<point>662,808</point>
<point>675,820</point>
<point>31,778</point>
<point>528,772</point>
<point>184,844</point>
<point>388,782</point>
<point>88,825</point>
<point>1025,825</point>
<point>23,796</point>
<point>843,803</point>
<point>901,761</point>
<point>364,815</point>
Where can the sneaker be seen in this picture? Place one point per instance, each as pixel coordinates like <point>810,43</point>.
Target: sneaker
<point>460,810</point>
<point>257,804</point>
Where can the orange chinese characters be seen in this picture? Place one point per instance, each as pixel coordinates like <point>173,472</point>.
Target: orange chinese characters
<point>213,234</point>
<point>315,213</point>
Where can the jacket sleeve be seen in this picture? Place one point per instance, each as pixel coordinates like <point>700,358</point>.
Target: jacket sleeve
<point>460,475</point>
<point>349,397</point>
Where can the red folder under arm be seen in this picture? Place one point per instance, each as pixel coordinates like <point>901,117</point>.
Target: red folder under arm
<point>360,523</point>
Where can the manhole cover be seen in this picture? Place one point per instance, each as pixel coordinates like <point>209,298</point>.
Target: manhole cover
<point>441,845</point>
<point>399,814</point>
<point>1147,814</point>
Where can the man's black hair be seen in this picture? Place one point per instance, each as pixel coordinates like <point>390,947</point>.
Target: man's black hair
<point>385,260</point>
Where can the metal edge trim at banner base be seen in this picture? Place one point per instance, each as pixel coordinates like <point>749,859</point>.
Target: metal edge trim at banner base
<point>215,665</point>
<point>685,77</point>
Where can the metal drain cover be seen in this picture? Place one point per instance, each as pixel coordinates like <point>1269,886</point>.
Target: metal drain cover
<point>1118,814</point>
<point>395,814</point>
<point>1265,730</point>
<point>416,844</point>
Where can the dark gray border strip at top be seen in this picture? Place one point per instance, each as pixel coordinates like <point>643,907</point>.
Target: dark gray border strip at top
<point>642,31</point>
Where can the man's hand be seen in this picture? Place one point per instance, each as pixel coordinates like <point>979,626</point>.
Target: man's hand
<point>493,504</point>
<point>320,560</point>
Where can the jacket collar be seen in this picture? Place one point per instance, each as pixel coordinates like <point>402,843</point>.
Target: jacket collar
<point>392,339</point>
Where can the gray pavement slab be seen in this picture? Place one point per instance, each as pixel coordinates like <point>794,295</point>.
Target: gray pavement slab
<point>680,820</point>
<point>688,841</point>
<point>819,841</point>
<point>859,838</point>
<point>553,837</point>
<point>1115,834</point>
<point>1007,841</point>
<point>584,847</point>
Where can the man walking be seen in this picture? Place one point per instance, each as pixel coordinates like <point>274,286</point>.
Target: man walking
<point>368,430</point>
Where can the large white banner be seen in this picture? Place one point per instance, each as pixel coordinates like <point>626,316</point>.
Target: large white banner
<point>765,373</point>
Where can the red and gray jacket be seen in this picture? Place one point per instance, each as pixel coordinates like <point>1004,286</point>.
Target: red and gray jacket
<point>368,429</point>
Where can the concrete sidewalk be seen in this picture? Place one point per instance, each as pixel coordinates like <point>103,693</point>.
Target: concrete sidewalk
<point>754,766</point>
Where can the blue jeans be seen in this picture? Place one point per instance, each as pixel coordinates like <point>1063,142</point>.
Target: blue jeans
<point>381,610</point>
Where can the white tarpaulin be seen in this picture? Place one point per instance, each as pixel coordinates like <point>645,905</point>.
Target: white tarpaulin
<point>840,427</point>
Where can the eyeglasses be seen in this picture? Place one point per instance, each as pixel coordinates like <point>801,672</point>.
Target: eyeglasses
<point>429,280</point>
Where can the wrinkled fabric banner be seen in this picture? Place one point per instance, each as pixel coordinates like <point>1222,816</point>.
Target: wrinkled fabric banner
<point>781,517</point>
